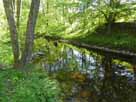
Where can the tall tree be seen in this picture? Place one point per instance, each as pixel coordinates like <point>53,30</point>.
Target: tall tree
<point>31,23</point>
<point>18,7</point>
<point>13,31</point>
<point>22,60</point>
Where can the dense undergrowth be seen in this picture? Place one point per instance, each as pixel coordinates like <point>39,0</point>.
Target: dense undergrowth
<point>34,86</point>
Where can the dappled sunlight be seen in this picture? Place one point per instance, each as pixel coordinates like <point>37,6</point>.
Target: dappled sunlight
<point>67,50</point>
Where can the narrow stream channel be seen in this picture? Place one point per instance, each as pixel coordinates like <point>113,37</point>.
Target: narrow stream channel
<point>87,76</point>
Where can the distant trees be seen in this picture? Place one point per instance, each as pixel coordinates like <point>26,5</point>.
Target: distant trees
<point>113,10</point>
<point>98,11</point>
<point>21,58</point>
<point>88,11</point>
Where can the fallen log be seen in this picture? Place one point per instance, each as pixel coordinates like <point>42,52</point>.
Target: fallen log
<point>116,54</point>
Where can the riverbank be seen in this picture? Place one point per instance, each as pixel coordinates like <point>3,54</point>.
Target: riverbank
<point>118,42</point>
<point>121,42</point>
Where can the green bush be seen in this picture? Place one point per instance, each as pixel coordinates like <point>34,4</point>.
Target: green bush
<point>27,87</point>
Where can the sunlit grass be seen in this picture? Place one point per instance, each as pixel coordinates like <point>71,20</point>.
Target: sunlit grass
<point>114,41</point>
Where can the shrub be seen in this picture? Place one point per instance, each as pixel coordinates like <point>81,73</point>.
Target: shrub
<point>27,87</point>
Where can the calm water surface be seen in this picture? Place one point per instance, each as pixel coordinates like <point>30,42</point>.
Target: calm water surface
<point>87,76</point>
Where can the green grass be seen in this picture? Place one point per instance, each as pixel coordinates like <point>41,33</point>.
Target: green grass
<point>114,41</point>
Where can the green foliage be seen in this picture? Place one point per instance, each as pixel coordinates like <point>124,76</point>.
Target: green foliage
<point>114,41</point>
<point>5,54</point>
<point>33,86</point>
<point>5,49</point>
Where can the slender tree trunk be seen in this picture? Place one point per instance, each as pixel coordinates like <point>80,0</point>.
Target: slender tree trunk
<point>33,14</point>
<point>47,11</point>
<point>13,4</point>
<point>13,30</point>
<point>111,17</point>
<point>109,28</point>
<point>18,6</point>
<point>107,86</point>
<point>107,64</point>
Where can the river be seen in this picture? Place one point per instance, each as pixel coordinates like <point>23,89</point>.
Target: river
<point>88,76</point>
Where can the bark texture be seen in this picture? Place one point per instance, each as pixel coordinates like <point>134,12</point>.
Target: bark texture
<point>13,31</point>
<point>29,41</point>
<point>18,6</point>
<point>21,60</point>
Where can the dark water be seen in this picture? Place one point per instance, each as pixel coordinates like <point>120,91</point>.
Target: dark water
<point>87,76</point>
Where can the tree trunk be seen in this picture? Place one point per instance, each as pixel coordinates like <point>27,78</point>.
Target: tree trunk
<point>109,28</point>
<point>107,65</point>
<point>18,5</point>
<point>13,31</point>
<point>109,21</point>
<point>108,82</point>
<point>47,11</point>
<point>33,14</point>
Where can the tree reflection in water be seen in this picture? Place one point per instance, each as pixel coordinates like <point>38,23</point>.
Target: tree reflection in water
<point>89,77</point>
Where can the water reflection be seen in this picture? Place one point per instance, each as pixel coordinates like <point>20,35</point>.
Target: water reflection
<point>87,76</point>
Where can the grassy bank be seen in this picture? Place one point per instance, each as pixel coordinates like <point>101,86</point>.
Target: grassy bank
<point>114,41</point>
